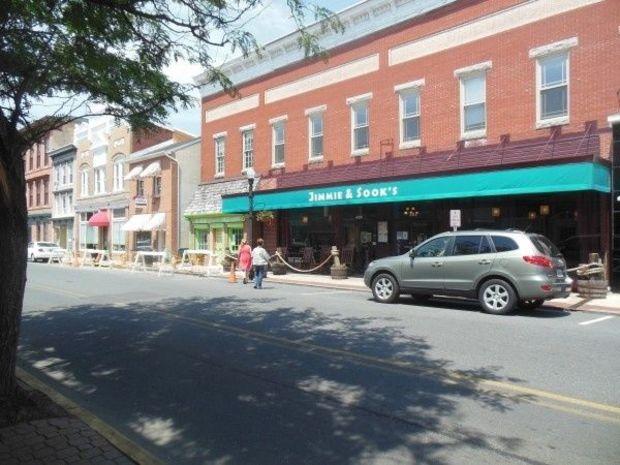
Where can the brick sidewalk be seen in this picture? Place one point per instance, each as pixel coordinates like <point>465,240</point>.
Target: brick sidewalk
<point>57,441</point>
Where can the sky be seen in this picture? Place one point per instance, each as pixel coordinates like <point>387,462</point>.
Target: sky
<point>271,21</point>
<point>267,23</point>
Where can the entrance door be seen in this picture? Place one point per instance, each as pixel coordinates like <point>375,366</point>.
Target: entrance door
<point>425,271</point>
<point>470,259</point>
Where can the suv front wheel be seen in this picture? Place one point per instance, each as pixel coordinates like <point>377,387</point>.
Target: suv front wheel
<point>385,288</point>
<point>497,296</point>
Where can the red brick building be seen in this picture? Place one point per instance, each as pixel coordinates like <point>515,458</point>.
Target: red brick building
<point>38,168</point>
<point>500,109</point>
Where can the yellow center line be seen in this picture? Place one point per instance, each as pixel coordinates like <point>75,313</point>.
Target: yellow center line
<point>55,290</point>
<point>404,367</point>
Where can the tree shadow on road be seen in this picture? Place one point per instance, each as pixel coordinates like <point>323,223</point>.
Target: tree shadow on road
<point>240,381</point>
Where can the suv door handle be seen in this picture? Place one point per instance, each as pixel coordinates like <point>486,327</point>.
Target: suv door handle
<point>437,264</point>
<point>484,261</point>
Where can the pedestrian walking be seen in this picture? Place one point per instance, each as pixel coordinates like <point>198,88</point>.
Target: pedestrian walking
<point>260,259</point>
<point>245,260</point>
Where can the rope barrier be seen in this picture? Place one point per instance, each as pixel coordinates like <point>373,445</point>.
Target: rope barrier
<point>277,254</point>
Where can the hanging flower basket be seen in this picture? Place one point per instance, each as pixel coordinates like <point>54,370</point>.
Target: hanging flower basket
<point>267,217</point>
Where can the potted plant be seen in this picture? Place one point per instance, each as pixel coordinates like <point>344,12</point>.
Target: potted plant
<point>266,216</point>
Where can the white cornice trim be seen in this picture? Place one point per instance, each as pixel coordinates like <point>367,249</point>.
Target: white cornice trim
<point>555,47</point>
<point>473,69</point>
<point>247,127</point>
<point>360,20</point>
<point>319,109</point>
<point>277,119</point>
<point>359,98</point>
<point>411,85</point>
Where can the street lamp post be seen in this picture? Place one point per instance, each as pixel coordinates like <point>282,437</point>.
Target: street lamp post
<point>251,175</point>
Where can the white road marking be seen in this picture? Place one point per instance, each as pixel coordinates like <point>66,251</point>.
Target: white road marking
<point>596,320</point>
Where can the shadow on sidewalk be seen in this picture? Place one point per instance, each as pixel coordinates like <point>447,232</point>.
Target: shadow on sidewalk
<point>241,381</point>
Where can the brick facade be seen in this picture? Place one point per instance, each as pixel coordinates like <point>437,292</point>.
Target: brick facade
<point>510,90</point>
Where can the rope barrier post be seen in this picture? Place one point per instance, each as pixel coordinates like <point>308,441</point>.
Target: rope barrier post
<point>337,270</point>
<point>232,277</point>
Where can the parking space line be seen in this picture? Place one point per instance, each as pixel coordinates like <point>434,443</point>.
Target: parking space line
<point>596,320</point>
<point>325,293</point>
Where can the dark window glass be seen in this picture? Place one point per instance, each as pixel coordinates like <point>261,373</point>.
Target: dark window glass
<point>504,244</point>
<point>545,246</point>
<point>485,245</point>
<point>467,245</point>
<point>434,248</point>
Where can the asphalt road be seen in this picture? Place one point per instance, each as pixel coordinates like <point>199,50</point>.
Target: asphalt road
<point>201,371</point>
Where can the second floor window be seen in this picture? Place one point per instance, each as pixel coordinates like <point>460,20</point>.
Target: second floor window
<point>31,159</point>
<point>220,154</point>
<point>278,130</point>
<point>118,175</point>
<point>248,148</point>
<point>316,135</point>
<point>473,105</point>
<point>99,180</point>
<point>360,125</point>
<point>157,186</point>
<point>38,186</point>
<point>45,192</point>
<point>409,117</point>
<point>140,188</point>
<point>552,83</point>
<point>84,183</point>
<point>30,194</point>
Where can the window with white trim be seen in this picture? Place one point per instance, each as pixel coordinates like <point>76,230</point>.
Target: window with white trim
<point>99,180</point>
<point>315,129</point>
<point>84,190</point>
<point>118,175</point>
<point>473,104</point>
<point>552,87</point>
<point>359,127</point>
<point>409,108</point>
<point>220,154</point>
<point>248,148</point>
<point>277,145</point>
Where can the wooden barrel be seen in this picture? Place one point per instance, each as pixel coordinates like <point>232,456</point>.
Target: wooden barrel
<point>592,288</point>
<point>278,268</point>
<point>339,272</point>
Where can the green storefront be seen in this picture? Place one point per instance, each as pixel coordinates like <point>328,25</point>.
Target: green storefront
<point>564,201</point>
<point>218,232</point>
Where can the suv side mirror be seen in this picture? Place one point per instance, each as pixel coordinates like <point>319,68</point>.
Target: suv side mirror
<point>412,253</point>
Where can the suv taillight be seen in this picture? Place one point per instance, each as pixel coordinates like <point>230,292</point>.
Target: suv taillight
<point>539,260</point>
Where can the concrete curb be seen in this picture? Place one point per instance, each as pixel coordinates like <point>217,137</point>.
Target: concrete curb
<point>115,437</point>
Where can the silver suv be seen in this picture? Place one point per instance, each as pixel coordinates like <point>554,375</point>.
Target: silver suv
<point>502,269</point>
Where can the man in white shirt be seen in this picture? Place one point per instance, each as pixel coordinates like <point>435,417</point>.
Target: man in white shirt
<point>260,260</point>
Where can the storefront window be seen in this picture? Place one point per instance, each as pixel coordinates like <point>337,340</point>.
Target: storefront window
<point>202,238</point>
<point>235,234</point>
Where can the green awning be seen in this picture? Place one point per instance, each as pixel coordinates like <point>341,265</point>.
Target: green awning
<point>568,177</point>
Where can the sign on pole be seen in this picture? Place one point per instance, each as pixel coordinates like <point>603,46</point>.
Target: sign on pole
<point>455,219</point>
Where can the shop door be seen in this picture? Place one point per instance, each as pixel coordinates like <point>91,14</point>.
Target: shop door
<point>425,271</point>
<point>471,258</point>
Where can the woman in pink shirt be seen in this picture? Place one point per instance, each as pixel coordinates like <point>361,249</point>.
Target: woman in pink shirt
<point>245,259</point>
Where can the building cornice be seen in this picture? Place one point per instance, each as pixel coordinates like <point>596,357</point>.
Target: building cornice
<point>360,20</point>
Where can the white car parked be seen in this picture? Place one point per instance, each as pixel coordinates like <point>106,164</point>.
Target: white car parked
<point>44,251</point>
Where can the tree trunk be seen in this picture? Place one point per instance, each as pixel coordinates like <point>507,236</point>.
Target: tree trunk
<point>13,252</point>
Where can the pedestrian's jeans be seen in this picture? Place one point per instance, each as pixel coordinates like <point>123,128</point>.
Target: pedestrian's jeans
<point>259,273</point>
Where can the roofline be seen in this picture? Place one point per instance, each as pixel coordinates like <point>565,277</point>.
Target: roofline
<point>160,149</point>
<point>361,20</point>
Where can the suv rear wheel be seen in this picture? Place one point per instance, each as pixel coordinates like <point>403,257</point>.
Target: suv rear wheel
<point>385,288</point>
<point>497,296</point>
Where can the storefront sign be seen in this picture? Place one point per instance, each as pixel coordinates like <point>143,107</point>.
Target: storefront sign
<point>350,194</point>
<point>568,177</point>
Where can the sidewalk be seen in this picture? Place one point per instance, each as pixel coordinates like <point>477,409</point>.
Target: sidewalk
<point>574,303</point>
<point>64,434</point>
